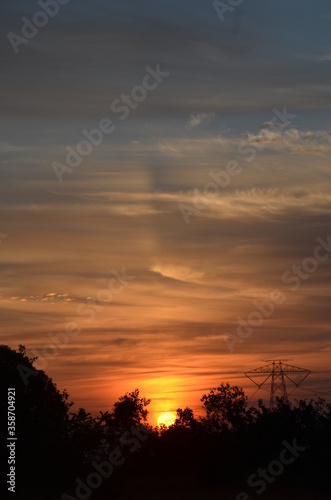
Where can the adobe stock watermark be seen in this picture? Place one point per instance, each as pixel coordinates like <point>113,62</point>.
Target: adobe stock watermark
<point>40,19</point>
<point>260,479</point>
<point>103,470</point>
<point>224,7</point>
<point>222,178</point>
<point>266,308</point>
<point>86,309</point>
<point>122,107</point>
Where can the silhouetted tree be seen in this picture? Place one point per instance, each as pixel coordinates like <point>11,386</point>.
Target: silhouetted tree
<point>42,414</point>
<point>225,407</point>
<point>86,434</point>
<point>185,419</point>
<point>130,410</point>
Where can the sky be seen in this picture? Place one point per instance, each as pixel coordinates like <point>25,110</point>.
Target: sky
<point>205,177</point>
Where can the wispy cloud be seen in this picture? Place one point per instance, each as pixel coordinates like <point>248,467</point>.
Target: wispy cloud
<point>292,140</point>
<point>51,297</point>
<point>199,118</point>
<point>180,273</point>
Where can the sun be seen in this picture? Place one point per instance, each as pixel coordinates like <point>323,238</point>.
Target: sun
<point>166,419</point>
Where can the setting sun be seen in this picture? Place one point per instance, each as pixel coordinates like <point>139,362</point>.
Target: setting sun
<point>166,419</point>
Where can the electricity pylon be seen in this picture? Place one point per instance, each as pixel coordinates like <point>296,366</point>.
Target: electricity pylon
<point>277,370</point>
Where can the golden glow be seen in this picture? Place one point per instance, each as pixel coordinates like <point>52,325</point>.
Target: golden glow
<point>166,419</point>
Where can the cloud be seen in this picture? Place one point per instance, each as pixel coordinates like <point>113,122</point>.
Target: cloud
<point>324,57</point>
<point>120,206</point>
<point>265,136</point>
<point>198,118</point>
<point>291,140</point>
<point>282,140</point>
<point>271,204</point>
<point>268,125</point>
<point>180,273</point>
<point>51,297</point>
<point>309,150</point>
<point>184,147</point>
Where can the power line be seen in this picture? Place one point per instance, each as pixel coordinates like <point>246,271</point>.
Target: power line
<point>277,371</point>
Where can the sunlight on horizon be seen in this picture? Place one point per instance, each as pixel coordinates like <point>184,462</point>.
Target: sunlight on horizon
<point>166,419</point>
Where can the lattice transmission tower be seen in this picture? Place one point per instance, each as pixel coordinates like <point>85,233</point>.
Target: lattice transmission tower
<point>277,371</point>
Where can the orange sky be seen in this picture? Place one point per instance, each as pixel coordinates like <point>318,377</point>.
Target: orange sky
<point>244,103</point>
<point>163,332</point>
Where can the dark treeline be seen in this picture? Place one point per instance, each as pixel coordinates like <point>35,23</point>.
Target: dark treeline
<point>234,452</point>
